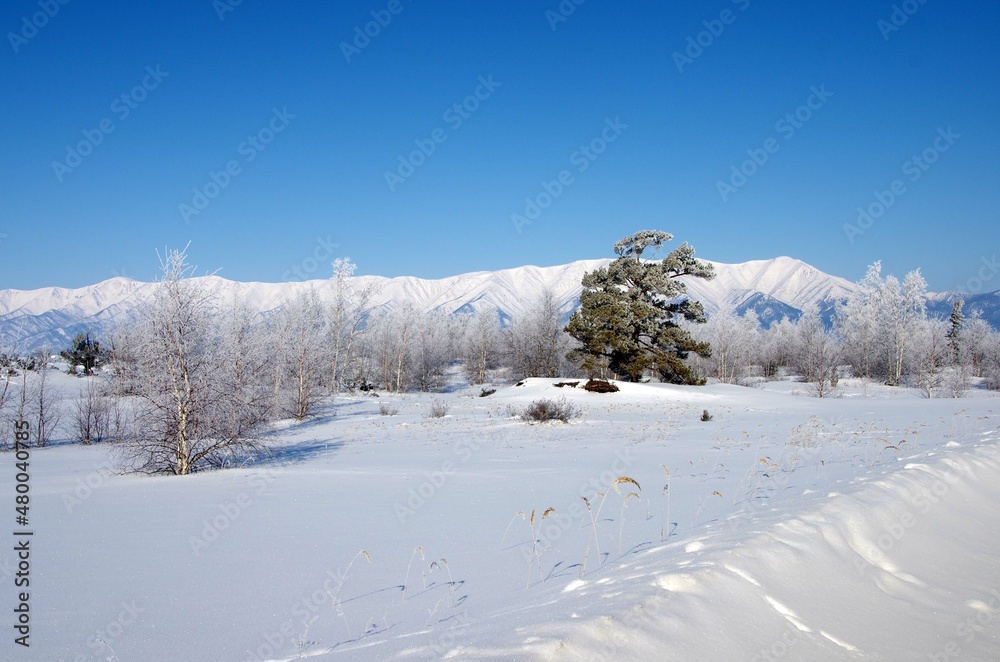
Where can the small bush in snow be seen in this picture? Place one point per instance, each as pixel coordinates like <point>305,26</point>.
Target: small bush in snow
<point>438,410</point>
<point>388,408</point>
<point>487,392</point>
<point>550,410</point>
<point>92,415</point>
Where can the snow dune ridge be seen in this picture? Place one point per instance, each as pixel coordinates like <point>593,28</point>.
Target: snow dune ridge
<point>911,554</point>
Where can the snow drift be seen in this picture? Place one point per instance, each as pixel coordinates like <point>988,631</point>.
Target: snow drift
<point>903,568</point>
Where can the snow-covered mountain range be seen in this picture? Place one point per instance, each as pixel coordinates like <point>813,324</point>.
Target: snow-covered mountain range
<point>773,288</point>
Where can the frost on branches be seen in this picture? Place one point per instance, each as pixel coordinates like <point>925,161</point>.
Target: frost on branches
<point>630,314</point>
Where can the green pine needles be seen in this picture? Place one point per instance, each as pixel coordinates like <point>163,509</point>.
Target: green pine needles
<point>630,312</point>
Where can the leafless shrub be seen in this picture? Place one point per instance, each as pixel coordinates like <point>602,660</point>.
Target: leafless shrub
<point>438,409</point>
<point>92,415</point>
<point>550,410</point>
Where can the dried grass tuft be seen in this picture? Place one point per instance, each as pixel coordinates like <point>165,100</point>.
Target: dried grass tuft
<point>543,410</point>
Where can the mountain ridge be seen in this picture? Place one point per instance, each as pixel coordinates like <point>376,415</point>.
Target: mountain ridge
<point>773,288</point>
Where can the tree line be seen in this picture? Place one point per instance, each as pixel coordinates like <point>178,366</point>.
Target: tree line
<point>881,333</point>
<point>197,380</point>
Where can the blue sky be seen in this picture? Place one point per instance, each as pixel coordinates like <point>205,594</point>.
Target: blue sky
<point>595,119</point>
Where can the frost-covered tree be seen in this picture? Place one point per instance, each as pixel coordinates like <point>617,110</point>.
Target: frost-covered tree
<point>735,342</point>
<point>776,345</point>
<point>300,329</point>
<point>816,353</point>
<point>536,342</point>
<point>908,315</point>
<point>856,321</point>
<point>482,345</point>
<point>990,367</point>
<point>92,414</point>
<point>930,360</point>
<point>630,313</point>
<point>35,401</point>
<point>6,377</point>
<point>246,356</point>
<point>432,351</point>
<point>878,321</point>
<point>167,372</point>
<point>977,341</point>
<point>403,325</point>
<point>389,345</point>
<point>348,310</point>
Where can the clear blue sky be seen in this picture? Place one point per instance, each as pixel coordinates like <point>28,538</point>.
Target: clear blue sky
<point>680,130</point>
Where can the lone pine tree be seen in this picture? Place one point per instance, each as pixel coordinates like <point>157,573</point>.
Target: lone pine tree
<point>630,312</point>
<point>85,352</point>
<point>955,321</point>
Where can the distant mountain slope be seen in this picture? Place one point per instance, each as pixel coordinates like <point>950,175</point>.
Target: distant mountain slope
<point>985,305</point>
<point>773,288</point>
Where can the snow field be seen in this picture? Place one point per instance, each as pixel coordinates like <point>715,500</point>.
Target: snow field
<point>798,529</point>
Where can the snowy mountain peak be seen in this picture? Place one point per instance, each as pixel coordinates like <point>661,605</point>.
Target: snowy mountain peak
<point>784,279</point>
<point>774,288</point>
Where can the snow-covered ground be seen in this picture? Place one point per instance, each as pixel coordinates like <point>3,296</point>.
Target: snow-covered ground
<point>865,527</point>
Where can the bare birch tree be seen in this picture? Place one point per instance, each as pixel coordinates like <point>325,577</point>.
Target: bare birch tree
<point>350,307</point>
<point>482,345</point>
<point>168,368</point>
<point>301,327</point>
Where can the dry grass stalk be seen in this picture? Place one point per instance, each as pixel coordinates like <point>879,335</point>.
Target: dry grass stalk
<point>535,531</point>
<point>406,579</point>
<point>443,563</point>
<point>621,520</point>
<point>665,501</point>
